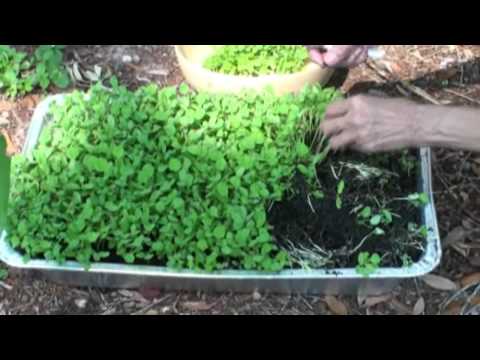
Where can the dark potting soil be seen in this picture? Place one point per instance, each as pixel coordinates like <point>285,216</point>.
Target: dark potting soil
<point>303,221</point>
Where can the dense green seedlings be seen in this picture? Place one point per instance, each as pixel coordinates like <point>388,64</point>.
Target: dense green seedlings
<point>20,74</point>
<point>165,176</point>
<point>256,60</point>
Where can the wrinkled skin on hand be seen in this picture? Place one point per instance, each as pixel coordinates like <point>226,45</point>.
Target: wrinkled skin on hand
<point>339,56</point>
<point>370,125</point>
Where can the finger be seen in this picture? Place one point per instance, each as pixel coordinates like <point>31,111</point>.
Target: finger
<point>337,109</point>
<point>367,149</point>
<point>343,140</point>
<point>330,128</point>
<point>336,57</point>
<point>317,57</point>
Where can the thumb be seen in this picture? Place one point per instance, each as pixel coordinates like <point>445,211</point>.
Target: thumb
<point>331,58</point>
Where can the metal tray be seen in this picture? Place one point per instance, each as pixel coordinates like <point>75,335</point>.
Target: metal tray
<point>319,282</point>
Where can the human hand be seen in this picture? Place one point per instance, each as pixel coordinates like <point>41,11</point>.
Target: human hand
<point>339,56</point>
<point>369,124</point>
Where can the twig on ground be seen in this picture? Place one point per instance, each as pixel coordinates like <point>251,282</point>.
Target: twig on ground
<point>462,96</point>
<point>151,306</point>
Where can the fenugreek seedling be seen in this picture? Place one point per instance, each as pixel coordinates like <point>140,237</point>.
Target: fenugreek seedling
<point>255,60</point>
<point>340,190</point>
<point>376,220</point>
<point>368,263</point>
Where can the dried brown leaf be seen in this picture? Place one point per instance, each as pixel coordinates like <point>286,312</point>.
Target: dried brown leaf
<point>439,283</point>
<point>400,308</point>
<point>455,308</point>
<point>6,105</point>
<point>150,293</point>
<point>336,306</point>
<point>471,279</point>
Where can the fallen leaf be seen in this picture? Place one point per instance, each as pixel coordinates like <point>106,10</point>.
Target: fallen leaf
<point>152,313</point>
<point>456,235</point>
<point>197,306</point>
<point>419,307</point>
<point>439,283</point>
<point>90,75</point>
<point>367,302</point>
<point>475,301</point>
<point>470,280</point>
<point>336,306</point>
<point>257,296</point>
<point>81,303</point>
<point>455,308</point>
<point>30,101</point>
<point>401,308</point>
<point>4,121</point>
<point>6,106</point>
<point>98,71</point>
<point>461,250</point>
<point>150,293</point>
<point>76,72</point>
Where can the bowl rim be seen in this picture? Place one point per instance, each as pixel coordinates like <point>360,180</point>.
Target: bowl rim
<point>309,68</point>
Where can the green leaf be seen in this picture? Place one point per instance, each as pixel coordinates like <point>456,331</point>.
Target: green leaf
<point>175,165</point>
<point>146,174</point>
<point>423,198</point>
<point>129,258</point>
<point>366,213</point>
<point>341,187</point>
<point>219,232</point>
<point>376,220</point>
<point>184,89</point>
<point>339,203</point>
<point>387,216</point>
<point>222,190</point>
<point>302,150</point>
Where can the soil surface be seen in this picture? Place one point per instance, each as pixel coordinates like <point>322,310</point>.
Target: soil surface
<point>306,223</point>
<point>442,74</point>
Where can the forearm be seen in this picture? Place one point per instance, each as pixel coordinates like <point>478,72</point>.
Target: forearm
<point>451,127</point>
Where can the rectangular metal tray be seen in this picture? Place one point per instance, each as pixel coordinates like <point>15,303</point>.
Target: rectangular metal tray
<point>319,282</point>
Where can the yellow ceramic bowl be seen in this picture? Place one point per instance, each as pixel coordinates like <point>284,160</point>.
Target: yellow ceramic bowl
<point>192,57</point>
